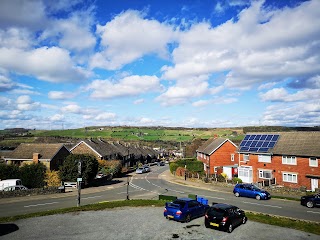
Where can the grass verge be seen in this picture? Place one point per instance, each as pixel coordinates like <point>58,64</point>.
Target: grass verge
<point>306,226</point>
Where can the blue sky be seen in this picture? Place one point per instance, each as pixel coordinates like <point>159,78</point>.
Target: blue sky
<point>70,64</point>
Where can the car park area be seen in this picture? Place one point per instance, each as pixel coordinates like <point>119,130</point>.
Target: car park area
<point>141,223</point>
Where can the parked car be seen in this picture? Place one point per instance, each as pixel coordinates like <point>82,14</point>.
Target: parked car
<point>184,209</point>
<point>250,190</point>
<point>140,170</point>
<point>224,216</point>
<point>147,168</point>
<point>160,163</point>
<point>15,188</point>
<point>311,200</point>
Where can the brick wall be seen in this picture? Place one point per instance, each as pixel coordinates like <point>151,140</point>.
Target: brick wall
<point>277,168</point>
<point>83,148</point>
<point>221,157</point>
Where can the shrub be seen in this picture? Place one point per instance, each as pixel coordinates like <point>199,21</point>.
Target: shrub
<point>33,175</point>
<point>220,178</point>
<point>236,180</point>
<point>52,179</point>
<point>9,171</point>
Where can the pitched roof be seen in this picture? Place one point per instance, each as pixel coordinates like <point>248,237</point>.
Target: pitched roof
<point>212,145</point>
<point>26,150</point>
<point>298,144</point>
<point>99,146</point>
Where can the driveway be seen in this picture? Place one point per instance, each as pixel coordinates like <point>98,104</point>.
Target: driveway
<point>141,223</point>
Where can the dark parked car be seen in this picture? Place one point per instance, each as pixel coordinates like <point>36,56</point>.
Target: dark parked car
<point>224,216</point>
<point>311,200</point>
<point>184,209</point>
<point>250,190</point>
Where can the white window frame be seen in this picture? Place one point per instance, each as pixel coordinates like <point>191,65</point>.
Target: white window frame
<point>232,157</point>
<point>313,162</point>
<point>246,157</point>
<point>289,160</point>
<point>264,158</point>
<point>290,177</point>
<point>262,173</point>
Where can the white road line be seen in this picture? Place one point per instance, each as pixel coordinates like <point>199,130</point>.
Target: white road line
<point>162,187</point>
<point>92,197</point>
<point>40,204</point>
<point>313,212</point>
<point>265,205</point>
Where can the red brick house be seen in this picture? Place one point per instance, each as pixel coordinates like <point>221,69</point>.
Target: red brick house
<point>217,153</point>
<point>288,159</point>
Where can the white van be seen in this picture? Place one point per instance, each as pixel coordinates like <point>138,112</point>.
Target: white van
<point>9,183</point>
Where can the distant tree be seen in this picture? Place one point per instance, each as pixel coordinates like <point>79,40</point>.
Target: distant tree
<point>69,169</point>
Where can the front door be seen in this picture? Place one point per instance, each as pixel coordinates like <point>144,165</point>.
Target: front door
<point>314,184</point>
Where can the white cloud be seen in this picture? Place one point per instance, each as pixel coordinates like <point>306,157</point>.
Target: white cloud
<point>6,84</point>
<point>49,64</point>
<point>72,108</point>
<point>57,118</point>
<point>252,53</point>
<point>127,86</point>
<point>105,116</point>
<point>201,103</point>
<point>128,37</point>
<point>58,95</point>
<point>282,95</point>
<point>138,101</point>
<point>301,114</point>
<point>25,103</point>
<point>15,38</point>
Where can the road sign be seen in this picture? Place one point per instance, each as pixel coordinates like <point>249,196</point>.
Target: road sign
<point>79,179</point>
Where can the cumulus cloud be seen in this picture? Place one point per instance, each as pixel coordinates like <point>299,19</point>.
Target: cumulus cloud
<point>128,37</point>
<point>6,84</point>
<point>127,86</point>
<point>25,103</point>
<point>138,101</point>
<point>57,118</point>
<point>59,95</point>
<point>271,51</point>
<point>282,95</point>
<point>301,114</point>
<point>49,64</point>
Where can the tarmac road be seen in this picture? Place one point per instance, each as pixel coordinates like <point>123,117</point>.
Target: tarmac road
<point>141,223</point>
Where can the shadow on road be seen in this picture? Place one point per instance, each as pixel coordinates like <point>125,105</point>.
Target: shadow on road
<point>6,228</point>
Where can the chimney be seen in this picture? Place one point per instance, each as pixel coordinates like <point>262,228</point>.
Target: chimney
<point>35,157</point>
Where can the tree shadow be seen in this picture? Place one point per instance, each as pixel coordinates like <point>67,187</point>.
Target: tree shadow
<point>6,228</point>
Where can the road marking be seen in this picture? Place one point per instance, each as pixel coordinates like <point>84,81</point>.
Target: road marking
<point>40,204</point>
<point>313,212</point>
<point>162,187</point>
<point>91,197</point>
<point>262,205</point>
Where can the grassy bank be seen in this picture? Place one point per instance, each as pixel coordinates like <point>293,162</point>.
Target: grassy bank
<point>306,226</point>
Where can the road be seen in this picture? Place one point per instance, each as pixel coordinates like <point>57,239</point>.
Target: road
<point>149,186</point>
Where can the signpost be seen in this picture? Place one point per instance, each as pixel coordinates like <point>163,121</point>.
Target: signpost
<point>79,180</point>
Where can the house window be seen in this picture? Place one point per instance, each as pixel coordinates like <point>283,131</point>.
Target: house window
<point>289,160</point>
<point>313,162</point>
<point>245,157</point>
<point>289,177</point>
<point>264,158</point>
<point>232,157</point>
<point>267,174</point>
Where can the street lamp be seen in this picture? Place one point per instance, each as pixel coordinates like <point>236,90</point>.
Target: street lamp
<point>185,169</point>
<point>79,180</point>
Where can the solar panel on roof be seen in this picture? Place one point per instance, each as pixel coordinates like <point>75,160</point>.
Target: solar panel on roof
<point>258,142</point>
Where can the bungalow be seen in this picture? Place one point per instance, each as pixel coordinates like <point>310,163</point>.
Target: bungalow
<point>218,155</point>
<point>288,159</point>
<point>51,155</point>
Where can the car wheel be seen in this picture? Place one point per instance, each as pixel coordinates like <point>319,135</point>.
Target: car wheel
<point>310,204</point>
<point>244,220</point>
<point>237,194</point>
<point>258,197</point>
<point>230,228</point>
<point>188,218</point>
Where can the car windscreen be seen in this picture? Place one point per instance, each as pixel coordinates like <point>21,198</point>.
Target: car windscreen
<point>216,211</point>
<point>177,204</point>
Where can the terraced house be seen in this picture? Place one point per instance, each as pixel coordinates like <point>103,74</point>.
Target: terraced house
<point>288,159</point>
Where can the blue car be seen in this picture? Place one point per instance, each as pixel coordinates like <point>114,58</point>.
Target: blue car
<point>184,209</point>
<point>250,190</point>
